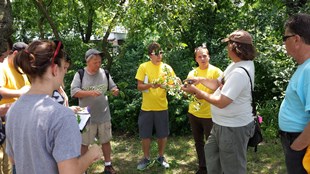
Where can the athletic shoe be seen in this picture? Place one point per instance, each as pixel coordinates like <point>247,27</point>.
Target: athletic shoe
<point>144,164</point>
<point>109,170</point>
<point>162,161</point>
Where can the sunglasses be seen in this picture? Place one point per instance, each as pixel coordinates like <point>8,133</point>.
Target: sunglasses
<point>157,53</point>
<point>284,38</point>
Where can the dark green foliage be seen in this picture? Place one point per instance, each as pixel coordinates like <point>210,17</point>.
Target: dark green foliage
<point>179,26</point>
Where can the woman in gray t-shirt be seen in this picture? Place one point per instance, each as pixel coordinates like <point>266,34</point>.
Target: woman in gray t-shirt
<point>42,135</point>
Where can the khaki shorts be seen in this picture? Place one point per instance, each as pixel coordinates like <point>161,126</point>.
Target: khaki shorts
<point>101,131</point>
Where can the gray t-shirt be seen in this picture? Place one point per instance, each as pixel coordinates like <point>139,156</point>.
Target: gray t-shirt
<point>41,133</point>
<point>98,106</point>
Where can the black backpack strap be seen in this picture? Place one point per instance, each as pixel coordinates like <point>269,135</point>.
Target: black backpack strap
<point>253,102</point>
<point>252,93</point>
<point>108,78</point>
<point>81,73</point>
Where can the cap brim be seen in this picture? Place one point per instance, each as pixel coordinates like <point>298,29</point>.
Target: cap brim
<point>99,53</point>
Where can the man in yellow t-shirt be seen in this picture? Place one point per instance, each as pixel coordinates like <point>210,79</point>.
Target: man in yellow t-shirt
<point>154,110</point>
<point>13,84</point>
<point>199,113</point>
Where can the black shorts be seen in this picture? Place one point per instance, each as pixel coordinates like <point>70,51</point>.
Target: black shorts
<point>153,119</point>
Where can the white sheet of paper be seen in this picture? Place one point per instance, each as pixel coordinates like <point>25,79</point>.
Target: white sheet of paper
<point>84,115</point>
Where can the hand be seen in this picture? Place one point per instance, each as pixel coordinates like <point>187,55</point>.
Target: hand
<point>189,88</point>
<point>300,142</point>
<point>95,93</point>
<point>4,108</point>
<point>95,152</point>
<point>75,109</point>
<point>115,91</point>
<point>156,86</point>
<point>192,80</point>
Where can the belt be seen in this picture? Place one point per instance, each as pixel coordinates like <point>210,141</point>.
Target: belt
<point>289,134</point>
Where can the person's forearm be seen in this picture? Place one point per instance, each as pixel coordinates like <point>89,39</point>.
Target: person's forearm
<point>212,84</point>
<point>209,98</point>
<point>10,93</point>
<point>86,160</point>
<point>82,94</point>
<point>73,166</point>
<point>220,101</point>
<point>80,164</point>
<point>303,140</point>
<point>142,87</point>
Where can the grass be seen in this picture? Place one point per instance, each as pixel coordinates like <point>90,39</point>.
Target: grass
<point>181,155</point>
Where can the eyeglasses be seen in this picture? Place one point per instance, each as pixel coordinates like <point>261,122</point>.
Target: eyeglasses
<point>59,46</point>
<point>157,53</point>
<point>284,38</point>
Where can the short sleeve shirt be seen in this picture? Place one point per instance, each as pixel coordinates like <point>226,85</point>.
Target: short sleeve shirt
<point>154,99</point>
<point>237,87</point>
<point>204,110</point>
<point>40,134</point>
<point>294,112</point>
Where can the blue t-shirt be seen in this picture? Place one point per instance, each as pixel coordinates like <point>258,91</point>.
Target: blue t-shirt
<point>294,112</point>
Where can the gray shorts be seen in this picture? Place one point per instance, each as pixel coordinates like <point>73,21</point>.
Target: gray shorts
<point>153,119</point>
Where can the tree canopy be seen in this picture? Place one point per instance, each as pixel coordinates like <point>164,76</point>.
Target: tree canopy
<point>179,26</point>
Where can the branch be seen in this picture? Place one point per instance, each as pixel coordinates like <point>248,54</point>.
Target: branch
<point>40,6</point>
<point>80,28</point>
<point>113,22</point>
<point>105,38</point>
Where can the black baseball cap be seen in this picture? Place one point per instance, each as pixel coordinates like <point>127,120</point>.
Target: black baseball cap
<point>18,46</point>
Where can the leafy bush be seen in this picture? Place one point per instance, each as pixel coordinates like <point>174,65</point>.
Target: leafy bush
<point>269,111</point>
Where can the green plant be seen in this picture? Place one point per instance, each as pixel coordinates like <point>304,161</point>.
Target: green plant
<point>269,111</point>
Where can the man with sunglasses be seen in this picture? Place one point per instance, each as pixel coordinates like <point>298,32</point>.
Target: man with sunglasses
<point>294,114</point>
<point>154,109</point>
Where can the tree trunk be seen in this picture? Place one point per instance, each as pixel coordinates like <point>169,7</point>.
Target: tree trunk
<point>105,37</point>
<point>6,23</point>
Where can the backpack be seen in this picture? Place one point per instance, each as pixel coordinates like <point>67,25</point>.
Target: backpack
<point>81,73</point>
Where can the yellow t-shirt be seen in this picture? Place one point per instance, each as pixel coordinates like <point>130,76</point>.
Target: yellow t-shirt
<point>154,99</point>
<point>211,72</point>
<point>306,160</point>
<point>11,79</point>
